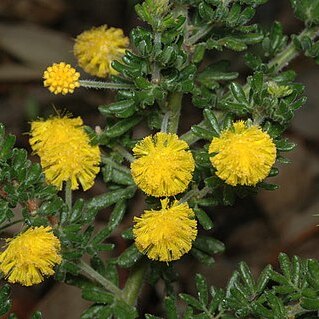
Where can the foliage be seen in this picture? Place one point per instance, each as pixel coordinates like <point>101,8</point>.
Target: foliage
<point>164,65</point>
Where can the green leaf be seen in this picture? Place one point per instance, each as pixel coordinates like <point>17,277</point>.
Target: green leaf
<point>310,303</point>
<point>97,294</point>
<point>191,301</point>
<point>5,149</point>
<point>202,132</point>
<point>284,145</point>
<point>263,279</point>
<point>128,234</point>
<point>123,310</point>
<point>110,198</point>
<point>115,218</point>
<point>212,121</point>
<point>97,312</point>
<point>267,186</point>
<point>238,93</point>
<point>202,289</point>
<point>122,109</point>
<point>202,257</point>
<point>306,10</point>
<point>247,277</point>
<point>37,315</point>
<point>129,257</point>
<point>121,127</point>
<point>285,265</point>
<point>5,302</point>
<point>216,72</point>
<point>209,245</point>
<point>170,308</point>
<point>313,273</point>
<point>203,218</point>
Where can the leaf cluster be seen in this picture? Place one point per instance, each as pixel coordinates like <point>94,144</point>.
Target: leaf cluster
<point>291,293</point>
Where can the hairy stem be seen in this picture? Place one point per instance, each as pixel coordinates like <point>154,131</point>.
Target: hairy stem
<point>108,285</point>
<point>134,283</point>
<point>105,85</point>
<point>283,58</point>
<point>174,107</point>
<point>68,195</point>
<point>164,124</point>
<point>199,34</point>
<point>195,193</point>
<point>156,71</point>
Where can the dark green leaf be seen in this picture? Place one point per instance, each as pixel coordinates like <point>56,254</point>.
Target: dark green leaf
<point>203,218</point>
<point>110,198</point>
<point>129,257</point>
<point>121,127</point>
<point>115,218</point>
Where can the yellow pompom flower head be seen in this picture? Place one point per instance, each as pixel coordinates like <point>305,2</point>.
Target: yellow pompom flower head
<point>95,49</point>
<point>65,151</point>
<point>61,78</point>
<point>164,165</point>
<point>30,256</point>
<point>242,155</point>
<point>167,234</point>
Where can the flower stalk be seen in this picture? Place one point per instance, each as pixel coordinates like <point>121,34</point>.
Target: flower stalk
<point>108,285</point>
<point>174,106</point>
<point>98,85</point>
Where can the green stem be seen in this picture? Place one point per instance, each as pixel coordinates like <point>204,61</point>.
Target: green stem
<point>68,195</point>
<point>11,224</point>
<point>164,124</point>
<point>105,85</point>
<point>134,283</point>
<point>198,194</point>
<point>290,52</point>
<point>108,285</point>
<point>156,71</point>
<point>174,106</point>
<point>121,168</point>
<point>280,61</point>
<point>199,34</point>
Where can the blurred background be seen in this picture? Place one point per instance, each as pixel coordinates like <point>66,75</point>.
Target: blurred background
<point>36,33</point>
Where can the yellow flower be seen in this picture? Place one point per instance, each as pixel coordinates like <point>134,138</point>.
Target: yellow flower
<point>95,49</point>
<point>65,151</point>
<point>61,78</point>
<point>163,166</point>
<point>166,234</point>
<point>244,156</point>
<point>30,256</point>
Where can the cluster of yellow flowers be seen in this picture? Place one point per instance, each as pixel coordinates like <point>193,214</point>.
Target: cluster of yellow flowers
<point>65,151</point>
<point>95,51</point>
<point>30,256</point>
<point>163,167</point>
<point>242,155</point>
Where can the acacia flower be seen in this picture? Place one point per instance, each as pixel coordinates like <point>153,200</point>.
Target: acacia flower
<point>61,78</point>
<point>65,151</point>
<point>167,234</point>
<point>96,48</point>
<point>164,165</point>
<point>242,155</point>
<point>30,256</point>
